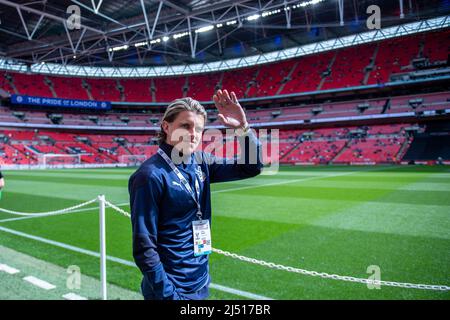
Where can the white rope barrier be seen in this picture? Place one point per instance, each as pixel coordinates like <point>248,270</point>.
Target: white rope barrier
<point>109,204</point>
<point>263,263</point>
<point>65,210</point>
<point>314,273</point>
<point>325,275</point>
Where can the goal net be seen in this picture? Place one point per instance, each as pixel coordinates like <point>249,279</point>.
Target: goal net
<point>59,160</point>
<point>132,160</point>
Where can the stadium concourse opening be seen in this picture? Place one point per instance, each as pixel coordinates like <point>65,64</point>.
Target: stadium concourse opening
<point>349,99</point>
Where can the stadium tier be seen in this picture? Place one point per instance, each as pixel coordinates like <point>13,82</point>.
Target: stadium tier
<point>31,132</point>
<point>366,144</point>
<point>377,106</point>
<point>373,63</point>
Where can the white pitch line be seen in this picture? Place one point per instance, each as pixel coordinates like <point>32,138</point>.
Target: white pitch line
<point>8,269</point>
<point>238,292</point>
<point>284,182</point>
<point>119,260</point>
<point>127,203</point>
<point>73,296</point>
<point>270,184</point>
<point>213,192</point>
<point>295,180</point>
<point>39,283</point>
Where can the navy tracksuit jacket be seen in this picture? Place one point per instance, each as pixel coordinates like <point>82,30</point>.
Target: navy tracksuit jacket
<point>162,212</point>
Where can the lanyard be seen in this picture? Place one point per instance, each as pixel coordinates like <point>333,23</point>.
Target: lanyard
<point>196,195</point>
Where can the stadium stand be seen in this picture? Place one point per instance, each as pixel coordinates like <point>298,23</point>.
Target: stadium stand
<point>330,70</point>
<point>380,144</point>
<point>399,104</point>
<point>343,68</point>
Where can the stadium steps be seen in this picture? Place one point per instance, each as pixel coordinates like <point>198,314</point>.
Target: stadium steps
<point>64,280</point>
<point>402,151</point>
<point>87,87</point>
<point>185,88</point>
<point>22,153</point>
<point>153,90</point>
<point>51,86</point>
<point>121,89</point>
<point>125,147</point>
<point>254,77</point>
<point>149,88</point>
<point>63,150</point>
<point>96,152</point>
<point>421,48</point>
<point>11,83</point>
<point>330,67</point>
<point>280,89</point>
<point>32,149</point>
<point>386,106</point>
<point>344,148</point>
<point>219,84</point>
<point>372,64</point>
<point>290,151</point>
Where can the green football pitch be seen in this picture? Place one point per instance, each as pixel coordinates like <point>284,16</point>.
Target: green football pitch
<point>336,219</point>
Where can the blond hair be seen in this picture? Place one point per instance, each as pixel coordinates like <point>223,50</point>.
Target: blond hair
<point>177,106</point>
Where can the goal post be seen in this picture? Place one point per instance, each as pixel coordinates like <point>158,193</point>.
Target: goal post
<point>132,159</point>
<point>58,160</point>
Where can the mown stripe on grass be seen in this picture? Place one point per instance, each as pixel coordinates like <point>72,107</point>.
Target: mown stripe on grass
<point>31,266</point>
<point>81,192</point>
<point>345,252</point>
<point>118,260</point>
<point>74,180</point>
<point>26,202</point>
<point>43,175</point>
<point>121,275</point>
<point>300,210</point>
<point>426,221</point>
<point>350,194</point>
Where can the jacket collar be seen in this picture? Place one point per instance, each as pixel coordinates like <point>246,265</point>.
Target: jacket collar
<point>167,148</point>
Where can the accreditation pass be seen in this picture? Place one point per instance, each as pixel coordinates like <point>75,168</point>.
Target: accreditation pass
<point>202,237</point>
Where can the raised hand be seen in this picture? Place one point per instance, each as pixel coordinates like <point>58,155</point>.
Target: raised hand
<point>231,113</point>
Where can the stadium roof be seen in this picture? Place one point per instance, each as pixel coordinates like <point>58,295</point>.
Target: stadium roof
<point>159,33</point>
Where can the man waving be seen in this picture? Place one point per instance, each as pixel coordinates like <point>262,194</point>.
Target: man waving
<point>170,198</point>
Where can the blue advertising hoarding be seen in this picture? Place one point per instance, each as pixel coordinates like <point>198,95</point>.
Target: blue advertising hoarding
<point>58,102</point>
